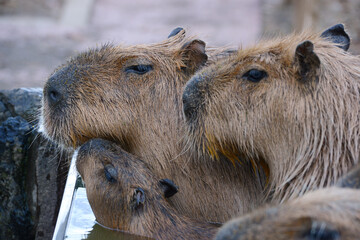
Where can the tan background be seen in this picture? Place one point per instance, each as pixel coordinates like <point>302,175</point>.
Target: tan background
<point>38,35</point>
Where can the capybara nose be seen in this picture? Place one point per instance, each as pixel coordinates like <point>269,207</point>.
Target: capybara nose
<point>192,97</point>
<point>58,85</point>
<point>53,95</point>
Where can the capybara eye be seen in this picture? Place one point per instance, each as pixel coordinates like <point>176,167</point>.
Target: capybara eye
<point>321,231</point>
<point>139,69</point>
<point>110,173</point>
<point>254,75</point>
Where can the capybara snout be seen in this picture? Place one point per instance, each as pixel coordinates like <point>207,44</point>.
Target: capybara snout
<point>58,85</point>
<point>111,84</point>
<point>193,96</point>
<point>117,184</point>
<point>103,160</point>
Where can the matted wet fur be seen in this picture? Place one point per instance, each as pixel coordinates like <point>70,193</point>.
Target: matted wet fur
<point>288,105</point>
<point>126,195</point>
<point>132,96</point>
<point>331,213</point>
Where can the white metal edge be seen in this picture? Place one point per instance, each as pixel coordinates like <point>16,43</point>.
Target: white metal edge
<point>60,227</point>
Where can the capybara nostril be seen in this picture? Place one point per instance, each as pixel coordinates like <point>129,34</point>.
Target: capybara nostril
<point>193,97</point>
<point>53,96</point>
<point>58,85</point>
<point>110,173</point>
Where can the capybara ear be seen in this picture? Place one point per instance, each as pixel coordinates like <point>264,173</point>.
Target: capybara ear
<point>193,55</point>
<point>351,179</point>
<point>175,32</point>
<point>169,187</point>
<point>337,34</point>
<point>307,62</point>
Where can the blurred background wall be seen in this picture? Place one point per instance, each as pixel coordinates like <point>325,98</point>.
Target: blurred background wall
<point>38,35</point>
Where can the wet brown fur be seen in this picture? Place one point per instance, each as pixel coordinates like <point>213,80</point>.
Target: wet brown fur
<point>331,213</point>
<point>306,134</point>
<point>143,114</point>
<point>113,202</point>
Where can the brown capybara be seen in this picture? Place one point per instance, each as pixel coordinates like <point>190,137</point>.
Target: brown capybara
<point>126,195</point>
<point>132,96</point>
<point>289,106</point>
<point>327,214</point>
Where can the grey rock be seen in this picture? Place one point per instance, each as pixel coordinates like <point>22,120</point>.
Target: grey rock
<point>15,219</point>
<point>24,102</point>
<point>33,170</point>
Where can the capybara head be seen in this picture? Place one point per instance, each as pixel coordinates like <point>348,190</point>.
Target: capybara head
<point>120,188</point>
<point>105,91</point>
<point>126,195</point>
<point>329,213</point>
<point>290,105</point>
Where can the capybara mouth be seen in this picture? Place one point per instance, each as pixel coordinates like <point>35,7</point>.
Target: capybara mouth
<point>232,152</point>
<point>53,125</point>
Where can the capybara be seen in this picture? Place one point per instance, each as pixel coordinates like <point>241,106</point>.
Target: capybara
<point>126,195</point>
<point>326,214</point>
<point>289,106</point>
<point>132,96</point>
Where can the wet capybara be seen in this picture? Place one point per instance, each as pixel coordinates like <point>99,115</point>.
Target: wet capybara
<point>132,96</point>
<point>126,195</point>
<point>327,214</point>
<point>289,106</point>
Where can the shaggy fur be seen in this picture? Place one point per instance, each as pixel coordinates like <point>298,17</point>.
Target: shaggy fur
<point>302,129</point>
<point>113,198</point>
<point>143,114</point>
<point>330,213</point>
